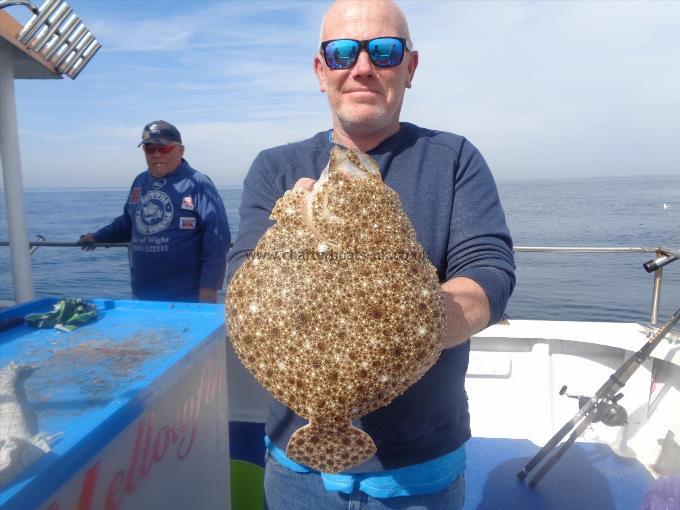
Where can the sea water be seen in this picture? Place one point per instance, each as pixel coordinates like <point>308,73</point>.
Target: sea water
<point>605,212</point>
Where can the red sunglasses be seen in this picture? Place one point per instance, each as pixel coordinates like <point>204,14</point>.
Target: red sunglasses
<point>163,149</point>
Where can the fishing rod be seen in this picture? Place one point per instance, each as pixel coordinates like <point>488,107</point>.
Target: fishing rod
<point>602,407</point>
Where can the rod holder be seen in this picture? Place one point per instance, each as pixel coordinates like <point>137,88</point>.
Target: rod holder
<point>58,36</point>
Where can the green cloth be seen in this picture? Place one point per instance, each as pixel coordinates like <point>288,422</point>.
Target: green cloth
<point>67,315</point>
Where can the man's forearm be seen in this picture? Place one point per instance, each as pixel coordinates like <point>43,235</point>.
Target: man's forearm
<point>467,310</point>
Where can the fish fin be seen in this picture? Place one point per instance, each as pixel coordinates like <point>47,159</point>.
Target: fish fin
<point>330,450</point>
<point>289,208</point>
<point>44,440</point>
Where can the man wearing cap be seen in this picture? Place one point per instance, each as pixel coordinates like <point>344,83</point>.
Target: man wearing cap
<point>176,222</point>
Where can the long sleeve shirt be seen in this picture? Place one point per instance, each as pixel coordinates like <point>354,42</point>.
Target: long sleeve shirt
<point>449,194</point>
<point>179,233</point>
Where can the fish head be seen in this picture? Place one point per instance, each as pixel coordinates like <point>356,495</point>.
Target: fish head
<point>13,374</point>
<point>339,197</point>
<point>351,164</point>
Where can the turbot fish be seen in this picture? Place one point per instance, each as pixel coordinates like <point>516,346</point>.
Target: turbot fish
<point>20,446</point>
<point>338,310</point>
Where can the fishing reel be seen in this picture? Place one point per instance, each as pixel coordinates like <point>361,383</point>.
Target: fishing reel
<point>606,410</point>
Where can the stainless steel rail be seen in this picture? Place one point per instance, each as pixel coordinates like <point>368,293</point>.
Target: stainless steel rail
<point>583,249</point>
<point>663,256</point>
<point>25,3</point>
<point>70,244</point>
<point>518,249</point>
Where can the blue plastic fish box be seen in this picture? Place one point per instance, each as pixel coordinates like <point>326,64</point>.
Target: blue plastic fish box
<point>137,400</point>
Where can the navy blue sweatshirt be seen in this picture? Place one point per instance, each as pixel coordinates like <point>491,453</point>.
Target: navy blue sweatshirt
<point>447,190</point>
<point>179,233</point>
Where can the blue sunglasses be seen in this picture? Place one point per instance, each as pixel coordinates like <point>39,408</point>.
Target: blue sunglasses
<point>383,51</point>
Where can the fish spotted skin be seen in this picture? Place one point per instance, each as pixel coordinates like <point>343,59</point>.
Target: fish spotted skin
<point>19,446</point>
<point>338,310</point>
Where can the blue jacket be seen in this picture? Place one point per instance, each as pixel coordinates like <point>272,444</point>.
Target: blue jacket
<point>447,190</point>
<point>179,233</point>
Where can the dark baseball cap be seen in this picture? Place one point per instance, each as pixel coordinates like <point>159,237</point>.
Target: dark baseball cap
<point>160,132</point>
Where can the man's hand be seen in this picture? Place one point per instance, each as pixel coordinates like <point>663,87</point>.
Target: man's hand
<point>86,240</point>
<point>306,183</point>
<point>206,295</point>
<point>467,310</point>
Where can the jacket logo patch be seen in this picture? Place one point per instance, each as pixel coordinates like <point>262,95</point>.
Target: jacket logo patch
<point>188,203</point>
<point>154,213</point>
<point>187,223</point>
<point>134,196</point>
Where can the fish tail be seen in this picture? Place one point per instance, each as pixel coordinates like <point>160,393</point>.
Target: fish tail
<point>330,450</point>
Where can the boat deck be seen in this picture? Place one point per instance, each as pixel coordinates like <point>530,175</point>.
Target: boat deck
<point>589,476</point>
<point>515,372</point>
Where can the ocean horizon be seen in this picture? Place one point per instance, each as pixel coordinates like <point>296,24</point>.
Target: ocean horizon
<point>622,211</point>
<point>499,181</point>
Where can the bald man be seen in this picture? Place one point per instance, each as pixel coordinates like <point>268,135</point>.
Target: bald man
<point>364,64</point>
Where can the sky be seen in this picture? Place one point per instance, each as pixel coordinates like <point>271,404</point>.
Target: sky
<point>544,89</point>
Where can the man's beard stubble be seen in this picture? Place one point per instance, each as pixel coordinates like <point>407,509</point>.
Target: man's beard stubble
<point>354,122</point>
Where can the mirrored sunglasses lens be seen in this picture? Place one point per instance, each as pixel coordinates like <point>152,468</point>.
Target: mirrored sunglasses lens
<point>386,51</point>
<point>341,54</point>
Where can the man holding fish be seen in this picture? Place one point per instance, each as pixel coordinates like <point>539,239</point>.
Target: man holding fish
<point>365,63</point>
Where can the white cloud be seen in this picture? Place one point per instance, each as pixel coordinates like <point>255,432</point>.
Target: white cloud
<point>550,88</point>
<point>542,88</point>
<point>108,156</point>
<point>209,25</point>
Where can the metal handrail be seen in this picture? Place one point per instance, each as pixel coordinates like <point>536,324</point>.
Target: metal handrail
<point>25,3</point>
<point>70,244</point>
<point>518,249</point>
<point>664,256</point>
<point>584,249</point>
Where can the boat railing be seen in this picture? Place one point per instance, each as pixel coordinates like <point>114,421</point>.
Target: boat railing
<point>662,257</point>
